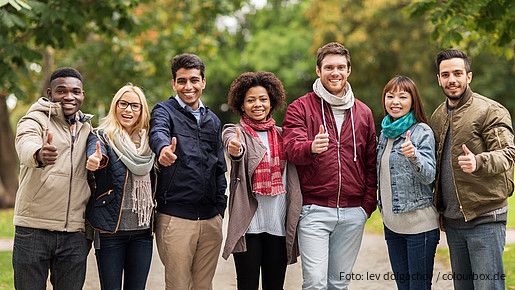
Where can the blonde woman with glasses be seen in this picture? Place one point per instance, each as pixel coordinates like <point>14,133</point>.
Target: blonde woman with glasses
<point>121,206</point>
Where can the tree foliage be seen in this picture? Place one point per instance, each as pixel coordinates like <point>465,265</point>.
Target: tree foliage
<point>471,24</point>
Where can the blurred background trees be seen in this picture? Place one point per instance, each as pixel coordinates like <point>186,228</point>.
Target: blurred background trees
<point>120,41</point>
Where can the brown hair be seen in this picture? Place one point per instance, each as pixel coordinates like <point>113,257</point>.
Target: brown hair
<point>332,48</point>
<point>403,83</point>
<point>248,80</point>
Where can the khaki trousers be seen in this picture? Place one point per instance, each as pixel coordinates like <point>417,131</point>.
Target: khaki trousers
<point>189,250</point>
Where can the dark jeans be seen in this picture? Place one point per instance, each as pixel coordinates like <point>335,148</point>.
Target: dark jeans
<point>412,258</point>
<point>264,251</point>
<point>127,253</point>
<point>36,251</point>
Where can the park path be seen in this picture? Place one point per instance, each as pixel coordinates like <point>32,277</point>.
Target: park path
<point>372,263</point>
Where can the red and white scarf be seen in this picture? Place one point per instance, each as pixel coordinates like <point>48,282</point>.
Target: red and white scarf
<point>268,176</point>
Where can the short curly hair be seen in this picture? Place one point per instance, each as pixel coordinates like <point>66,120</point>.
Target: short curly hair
<point>248,80</point>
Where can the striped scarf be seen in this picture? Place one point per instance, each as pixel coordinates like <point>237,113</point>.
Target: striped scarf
<point>268,176</point>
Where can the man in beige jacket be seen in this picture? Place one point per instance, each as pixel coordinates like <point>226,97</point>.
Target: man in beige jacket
<point>51,200</point>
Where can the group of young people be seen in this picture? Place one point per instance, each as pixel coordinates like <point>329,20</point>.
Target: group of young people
<point>304,189</point>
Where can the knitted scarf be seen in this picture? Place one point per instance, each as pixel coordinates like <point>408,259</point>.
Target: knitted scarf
<point>139,161</point>
<point>268,176</point>
<point>393,129</point>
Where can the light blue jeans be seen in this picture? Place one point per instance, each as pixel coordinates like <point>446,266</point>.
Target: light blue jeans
<point>329,241</point>
<point>476,256</point>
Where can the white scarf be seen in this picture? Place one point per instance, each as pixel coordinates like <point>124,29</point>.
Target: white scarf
<point>338,103</point>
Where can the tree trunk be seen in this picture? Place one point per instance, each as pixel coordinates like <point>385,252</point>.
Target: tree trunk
<point>8,175</point>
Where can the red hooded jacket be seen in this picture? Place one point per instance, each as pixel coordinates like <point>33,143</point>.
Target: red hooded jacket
<point>344,175</point>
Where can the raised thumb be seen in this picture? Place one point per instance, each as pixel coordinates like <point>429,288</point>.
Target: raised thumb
<point>49,138</point>
<point>321,130</point>
<point>238,134</point>
<point>465,149</point>
<point>98,151</point>
<point>173,144</point>
<point>408,136</point>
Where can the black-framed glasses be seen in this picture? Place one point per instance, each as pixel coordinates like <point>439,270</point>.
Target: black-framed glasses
<point>123,105</point>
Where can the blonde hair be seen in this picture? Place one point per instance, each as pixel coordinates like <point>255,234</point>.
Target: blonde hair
<point>110,124</point>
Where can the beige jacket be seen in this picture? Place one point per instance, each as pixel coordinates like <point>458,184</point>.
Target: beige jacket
<point>53,197</point>
<point>485,127</point>
<point>243,204</point>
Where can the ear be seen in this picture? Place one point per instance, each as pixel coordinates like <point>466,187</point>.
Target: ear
<point>349,70</point>
<point>317,70</point>
<point>469,77</point>
<point>173,85</point>
<point>49,93</point>
<point>203,83</point>
<point>438,79</point>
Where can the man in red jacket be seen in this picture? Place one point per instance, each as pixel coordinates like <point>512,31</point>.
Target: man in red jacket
<point>330,136</point>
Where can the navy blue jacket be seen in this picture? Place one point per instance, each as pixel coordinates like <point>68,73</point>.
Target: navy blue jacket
<point>103,211</point>
<point>194,186</point>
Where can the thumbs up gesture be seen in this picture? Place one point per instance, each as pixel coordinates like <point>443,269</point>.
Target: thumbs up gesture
<point>94,159</point>
<point>321,142</point>
<point>467,161</point>
<point>234,146</point>
<point>167,156</point>
<point>47,155</point>
<point>407,148</point>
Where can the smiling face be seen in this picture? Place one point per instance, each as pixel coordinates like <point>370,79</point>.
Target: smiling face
<point>398,103</point>
<point>453,78</point>
<point>256,104</point>
<point>128,110</point>
<point>188,85</point>
<point>333,73</point>
<point>68,92</point>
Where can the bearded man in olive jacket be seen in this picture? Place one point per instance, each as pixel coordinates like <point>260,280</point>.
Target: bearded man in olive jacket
<point>475,160</point>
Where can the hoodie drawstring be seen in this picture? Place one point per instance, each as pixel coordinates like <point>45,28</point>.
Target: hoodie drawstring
<point>352,124</point>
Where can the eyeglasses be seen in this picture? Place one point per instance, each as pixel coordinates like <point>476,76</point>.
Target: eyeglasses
<point>123,105</point>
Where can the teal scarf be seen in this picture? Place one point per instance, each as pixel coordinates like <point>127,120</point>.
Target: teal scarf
<point>397,127</point>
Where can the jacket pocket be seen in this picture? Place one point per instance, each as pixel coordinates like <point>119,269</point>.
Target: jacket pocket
<point>104,199</point>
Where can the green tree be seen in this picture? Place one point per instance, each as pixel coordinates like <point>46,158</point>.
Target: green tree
<point>28,32</point>
<point>474,25</point>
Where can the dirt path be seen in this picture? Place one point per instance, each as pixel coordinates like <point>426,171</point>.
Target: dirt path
<point>372,260</point>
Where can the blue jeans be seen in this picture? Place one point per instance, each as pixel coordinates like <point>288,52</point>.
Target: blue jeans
<point>412,258</point>
<point>125,253</point>
<point>329,241</point>
<point>476,256</point>
<point>36,251</point>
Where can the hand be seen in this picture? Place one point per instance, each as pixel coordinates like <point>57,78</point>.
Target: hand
<point>321,142</point>
<point>407,148</point>
<point>167,156</point>
<point>94,159</point>
<point>234,146</point>
<point>467,161</point>
<point>47,155</point>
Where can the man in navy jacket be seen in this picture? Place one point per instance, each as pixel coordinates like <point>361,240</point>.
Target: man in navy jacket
<point>190,194</point>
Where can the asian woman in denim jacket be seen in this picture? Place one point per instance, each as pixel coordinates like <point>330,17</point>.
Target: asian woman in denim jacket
<point>406,170</point>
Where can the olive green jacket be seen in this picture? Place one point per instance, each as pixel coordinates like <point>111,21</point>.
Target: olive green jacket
<point>485,127</point>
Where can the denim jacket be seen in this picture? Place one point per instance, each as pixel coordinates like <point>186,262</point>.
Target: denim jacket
<point>411,181</point>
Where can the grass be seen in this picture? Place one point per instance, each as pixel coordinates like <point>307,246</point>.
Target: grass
<point>442,256</point>
<point>6,274</point>
<point>6,223</point>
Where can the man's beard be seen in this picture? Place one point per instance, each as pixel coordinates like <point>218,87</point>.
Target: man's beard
<point>457,97</point>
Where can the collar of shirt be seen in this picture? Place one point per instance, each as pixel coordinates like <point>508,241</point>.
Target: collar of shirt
<point>200,108</point>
